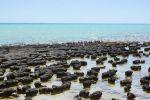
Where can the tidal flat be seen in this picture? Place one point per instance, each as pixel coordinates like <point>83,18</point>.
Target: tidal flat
<point>88,70</point>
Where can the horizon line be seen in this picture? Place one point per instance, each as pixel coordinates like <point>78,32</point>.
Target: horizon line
<point>67,23</point>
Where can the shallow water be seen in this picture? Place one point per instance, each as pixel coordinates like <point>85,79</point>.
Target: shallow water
<point>45,33</point>
<point>109,91</point>
<point>48,33</point>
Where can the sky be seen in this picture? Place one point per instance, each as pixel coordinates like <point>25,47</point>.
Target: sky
<point>74,11</point>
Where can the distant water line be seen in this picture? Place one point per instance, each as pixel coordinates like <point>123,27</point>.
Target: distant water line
<point>68,32</point>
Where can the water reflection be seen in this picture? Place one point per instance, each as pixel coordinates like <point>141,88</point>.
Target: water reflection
<point>109,91</point>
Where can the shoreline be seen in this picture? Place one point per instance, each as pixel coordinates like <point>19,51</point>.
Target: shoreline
<point>20,64</point>
<point>61,42</point>
<point>21,49</point>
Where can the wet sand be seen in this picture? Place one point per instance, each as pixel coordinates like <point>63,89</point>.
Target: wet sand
<point>54,55</point>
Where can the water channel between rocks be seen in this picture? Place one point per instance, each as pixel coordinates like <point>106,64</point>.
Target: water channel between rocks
<point>109,90</point>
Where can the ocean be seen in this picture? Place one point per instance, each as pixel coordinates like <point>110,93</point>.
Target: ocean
<point>12,33</point>
<point>52,33</point>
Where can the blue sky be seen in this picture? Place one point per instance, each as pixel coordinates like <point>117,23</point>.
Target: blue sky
<point>75,11</point>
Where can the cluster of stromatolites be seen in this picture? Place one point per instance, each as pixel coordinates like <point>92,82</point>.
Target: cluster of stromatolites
<point>16,63</point>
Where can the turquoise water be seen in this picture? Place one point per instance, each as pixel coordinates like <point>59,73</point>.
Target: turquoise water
<point>45,33</point>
